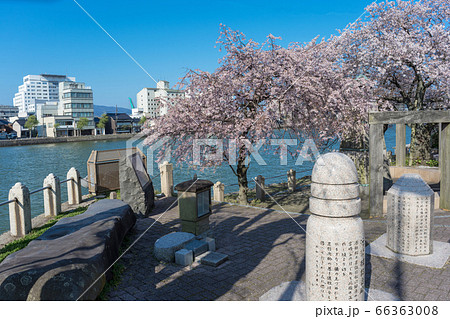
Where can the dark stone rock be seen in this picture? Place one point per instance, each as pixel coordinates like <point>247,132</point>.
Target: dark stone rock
<point>136,186</point>
<point>69,257</point>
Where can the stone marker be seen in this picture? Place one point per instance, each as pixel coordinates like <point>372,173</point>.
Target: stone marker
<point>335,234</point>
<point>166,171</point>
<point>113,195</point>
<point>136,187</point>
<point>166,246</point>
<point>184,257</point>
<point>211,243</point>
<point>410,216</point>
<point>292,181</point>
<point>52,196</point>
<point>19,210</point>
<point>260,186</point>
<point>74,186</point>
<point>219,192</point>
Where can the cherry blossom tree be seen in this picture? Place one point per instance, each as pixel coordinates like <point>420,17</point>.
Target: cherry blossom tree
<point>404,48</point>
<point>261,91</point>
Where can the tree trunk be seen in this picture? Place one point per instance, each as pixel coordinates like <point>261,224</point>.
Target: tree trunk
<point>420,148</point>
<point>241,172</point>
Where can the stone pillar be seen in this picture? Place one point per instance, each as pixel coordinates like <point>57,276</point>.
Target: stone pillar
<point>260,186</point>
<point>376,142</point>
<point>166,170</point>
<point>74,186</point>
<point>52,196</point>
<point>444,166</point>
<point>219,192</point>
<point>335,233</point>
<point>400,145</point>
<point>19,210</point>
<point>409,217</point>
<point>292,181</point>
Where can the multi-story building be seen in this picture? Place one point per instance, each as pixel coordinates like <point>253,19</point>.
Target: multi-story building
<point>153,102</point>
<point>76,100</point>
<point>38,87</point>
<point>7,111</point>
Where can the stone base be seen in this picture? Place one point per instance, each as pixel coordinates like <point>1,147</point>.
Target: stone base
<point>195,227</point>
<point>198,247</point>
<point>166,246</point>
<point>439,257</point>
<point>184,257</point>
<point>296,291</point>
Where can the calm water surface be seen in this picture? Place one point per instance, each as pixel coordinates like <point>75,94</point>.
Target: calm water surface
<point>31,164</point>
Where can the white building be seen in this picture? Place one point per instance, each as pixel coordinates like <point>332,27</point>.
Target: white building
<point>153,102</point>
<point>7,111</point>
<point>76,100</point>
<point>38,87</point>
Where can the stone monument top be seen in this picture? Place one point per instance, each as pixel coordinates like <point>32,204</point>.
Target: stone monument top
<point>334,168</point>
<point>411,185</point>
<point>334,187</point>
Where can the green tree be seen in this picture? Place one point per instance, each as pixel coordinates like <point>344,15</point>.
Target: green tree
<point>31,123</point>
<point>55,128</point>
<point>142,121</point>
<point>82,123</point>
<point>102,123</point>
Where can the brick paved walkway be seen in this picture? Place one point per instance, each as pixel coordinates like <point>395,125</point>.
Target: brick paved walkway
<point>265,248</point>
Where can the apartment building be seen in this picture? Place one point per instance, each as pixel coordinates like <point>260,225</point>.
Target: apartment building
<point>38,87</point>
<point>76,100</point>
<point>154,102</point>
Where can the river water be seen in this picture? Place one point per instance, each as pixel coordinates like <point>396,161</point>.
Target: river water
<point>31,164</point>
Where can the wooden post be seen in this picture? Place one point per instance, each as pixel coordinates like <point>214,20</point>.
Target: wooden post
<point>376,170</point>
<point>400,144</point>
<point>444,166</point>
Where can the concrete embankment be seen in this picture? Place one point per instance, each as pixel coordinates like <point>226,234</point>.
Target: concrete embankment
<point>51,140</point>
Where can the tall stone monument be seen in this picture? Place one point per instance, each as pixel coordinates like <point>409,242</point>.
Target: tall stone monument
<point>335,234</point>
<point>410,216</point>
<point>136,186</point>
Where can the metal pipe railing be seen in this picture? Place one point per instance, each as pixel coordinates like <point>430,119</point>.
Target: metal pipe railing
<point>39,190</point>
<point>7,202</point>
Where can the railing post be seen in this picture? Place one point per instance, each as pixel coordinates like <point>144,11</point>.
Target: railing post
<point>74,186</point>
<point>219,192</point>
<point>19,210</point>
<point>260,186</point>
<point>291,180</point>
<point>166,171</point>
<point>52,195</point>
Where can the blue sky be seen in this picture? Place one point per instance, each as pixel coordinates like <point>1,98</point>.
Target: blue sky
<point>165,37</point>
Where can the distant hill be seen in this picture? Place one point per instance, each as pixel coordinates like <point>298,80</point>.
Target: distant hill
<point>100,109</point>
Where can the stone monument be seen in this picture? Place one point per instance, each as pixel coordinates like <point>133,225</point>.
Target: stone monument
<point>136,187</point>
<point>219,192</point>
<point>194,205</point>
<point>335,234</point>
<point>410,216</point>
<point>166,170</point>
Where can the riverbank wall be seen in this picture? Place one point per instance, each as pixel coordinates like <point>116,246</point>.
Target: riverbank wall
<point>52,140</point>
